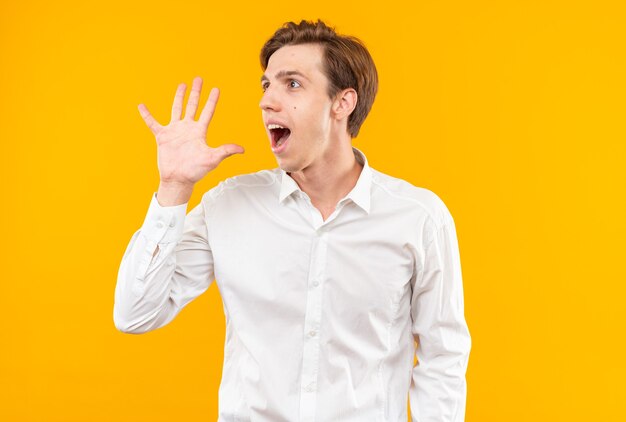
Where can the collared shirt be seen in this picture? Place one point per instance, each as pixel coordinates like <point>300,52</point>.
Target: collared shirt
<point>323,318</point>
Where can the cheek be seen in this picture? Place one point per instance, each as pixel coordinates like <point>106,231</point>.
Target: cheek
<point>320,109</point>
<point>313,117</point>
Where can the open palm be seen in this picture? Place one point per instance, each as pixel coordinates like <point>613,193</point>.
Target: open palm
<point>183,154</point>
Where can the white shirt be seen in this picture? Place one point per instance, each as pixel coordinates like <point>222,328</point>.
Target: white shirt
<point>322,317</point>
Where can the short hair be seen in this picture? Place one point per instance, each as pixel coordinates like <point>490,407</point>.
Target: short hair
<point>346,63</point>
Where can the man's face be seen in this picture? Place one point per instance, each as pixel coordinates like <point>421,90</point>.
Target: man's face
<point>295,98</point>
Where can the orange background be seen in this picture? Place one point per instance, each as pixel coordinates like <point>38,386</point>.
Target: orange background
<point>512,112</point>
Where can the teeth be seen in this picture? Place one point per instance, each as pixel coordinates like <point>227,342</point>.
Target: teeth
<point>274,126</point>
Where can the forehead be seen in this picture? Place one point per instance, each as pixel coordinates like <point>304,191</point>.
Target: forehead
<point>304,58</point>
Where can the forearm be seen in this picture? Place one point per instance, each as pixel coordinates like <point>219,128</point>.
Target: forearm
<point>172,193</point>
<point>143,294</point>
<point>143,299</point>
<point>438,389</point>
<point>167,264</point>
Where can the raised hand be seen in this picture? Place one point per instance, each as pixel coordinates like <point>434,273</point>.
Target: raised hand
<point>182,152</point>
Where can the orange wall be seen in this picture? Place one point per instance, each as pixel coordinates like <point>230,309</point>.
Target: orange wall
<point>512,112</point>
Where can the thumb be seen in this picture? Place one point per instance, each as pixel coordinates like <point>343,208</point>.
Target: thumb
<point>226,150</point>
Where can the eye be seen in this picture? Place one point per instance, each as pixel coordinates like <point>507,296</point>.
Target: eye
<point>292,82</point>
<point>264,86</point>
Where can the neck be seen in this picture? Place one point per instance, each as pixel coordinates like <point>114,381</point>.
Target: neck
<point>331,179</point>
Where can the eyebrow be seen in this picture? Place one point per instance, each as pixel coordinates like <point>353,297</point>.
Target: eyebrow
<point>285,73</point>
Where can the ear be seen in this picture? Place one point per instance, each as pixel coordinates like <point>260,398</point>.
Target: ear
<point>344,104</point>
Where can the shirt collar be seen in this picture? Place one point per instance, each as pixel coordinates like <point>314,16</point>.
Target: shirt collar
<point>360,193</point>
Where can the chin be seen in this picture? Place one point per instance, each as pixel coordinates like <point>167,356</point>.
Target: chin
<point>286,166</point>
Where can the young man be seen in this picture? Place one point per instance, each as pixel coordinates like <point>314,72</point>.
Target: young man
<point>332,274</point>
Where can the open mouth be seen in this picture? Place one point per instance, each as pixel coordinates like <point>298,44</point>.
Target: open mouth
<point>279,134</point>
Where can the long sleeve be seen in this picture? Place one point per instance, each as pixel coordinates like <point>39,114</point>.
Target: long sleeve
<point>438,386</point>
<point>152,288</point>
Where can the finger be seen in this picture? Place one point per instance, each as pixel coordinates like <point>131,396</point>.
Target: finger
<point>194,98</point>
<point>209,107</point>
<point>177,106</point>
<point>226,150</point>
<point>153,125</point>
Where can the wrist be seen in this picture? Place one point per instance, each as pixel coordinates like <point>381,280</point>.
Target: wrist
<point>174,193</point>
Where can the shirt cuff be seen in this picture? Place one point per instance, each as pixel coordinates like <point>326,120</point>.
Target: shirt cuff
<point>164,224</point>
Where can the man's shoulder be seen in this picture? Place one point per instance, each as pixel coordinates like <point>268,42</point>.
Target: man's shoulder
<point>404,193</point>
<point>244,184</point>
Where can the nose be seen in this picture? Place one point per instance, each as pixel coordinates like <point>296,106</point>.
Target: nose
<point>269,101</point>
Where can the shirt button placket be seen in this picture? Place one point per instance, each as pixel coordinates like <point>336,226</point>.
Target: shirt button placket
<point>312,320</point>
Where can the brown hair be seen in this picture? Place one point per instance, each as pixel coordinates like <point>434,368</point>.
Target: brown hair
<point>346,61</point>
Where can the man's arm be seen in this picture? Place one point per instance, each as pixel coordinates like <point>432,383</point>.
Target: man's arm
<point>438,386</point>
<point>168,261</point>
<point>166,265</point>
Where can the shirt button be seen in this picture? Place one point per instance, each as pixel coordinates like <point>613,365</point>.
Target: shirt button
<point>309,388</point>
<point>160,225</point>
<point>172,223</point>
<point>312,333</point>
<point>316,283</point>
